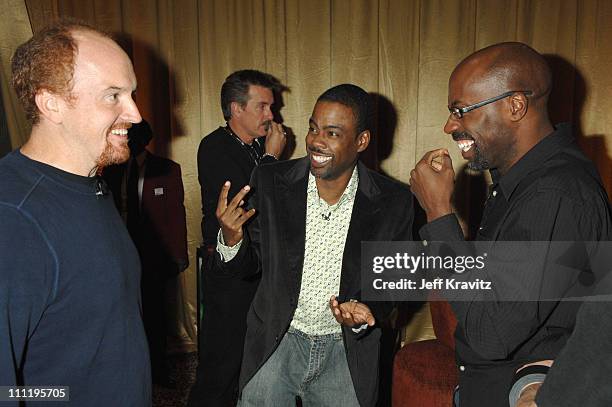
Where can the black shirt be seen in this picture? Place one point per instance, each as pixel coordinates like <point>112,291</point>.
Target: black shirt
<point>223,157</point>
<point>553,193</point>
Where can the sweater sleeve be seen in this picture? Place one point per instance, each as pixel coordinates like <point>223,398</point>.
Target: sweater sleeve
<point>28,271</point>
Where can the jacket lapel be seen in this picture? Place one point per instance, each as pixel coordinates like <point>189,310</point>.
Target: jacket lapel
<point>290,193</point>
<point>363,224</point>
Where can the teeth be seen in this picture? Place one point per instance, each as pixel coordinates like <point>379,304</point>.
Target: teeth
<point>465,145</point>
<point>119,132</point>
<point>320,158</point>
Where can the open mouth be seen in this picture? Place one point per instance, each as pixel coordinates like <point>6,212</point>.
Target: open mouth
<point>465,145</point>
<point>464,141</point>
<point>119,132</point>
<point>319,160</point>
<point>120,129</point>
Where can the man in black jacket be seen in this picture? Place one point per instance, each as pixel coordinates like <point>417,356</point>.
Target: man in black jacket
<point>305,241</point>
<point>249,138</point>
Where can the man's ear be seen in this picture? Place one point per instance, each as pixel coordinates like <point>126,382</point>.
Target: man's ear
<point>363,140</point>
<point>518,106</point>
<point>236,109</point>
<point>50,105</point>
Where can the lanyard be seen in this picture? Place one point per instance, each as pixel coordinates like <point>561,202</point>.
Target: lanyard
<point>251,149</point>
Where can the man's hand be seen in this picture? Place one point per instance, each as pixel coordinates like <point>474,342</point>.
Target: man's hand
<point>276,139</point>
<point>432,181</point>
<point>231,217</point>
<point>528,396</point>
<point>351,313</point>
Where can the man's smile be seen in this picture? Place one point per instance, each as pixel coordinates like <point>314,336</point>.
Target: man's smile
<point>466,144</point>
<point>318,159</point>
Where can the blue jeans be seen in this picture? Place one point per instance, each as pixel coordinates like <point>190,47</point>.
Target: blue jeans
<point>311,367</point>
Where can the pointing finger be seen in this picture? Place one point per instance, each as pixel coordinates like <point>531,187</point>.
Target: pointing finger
<point>239,197</point>
<point>222,204</point>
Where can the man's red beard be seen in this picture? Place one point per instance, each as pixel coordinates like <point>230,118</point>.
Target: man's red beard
<point>113,155</point>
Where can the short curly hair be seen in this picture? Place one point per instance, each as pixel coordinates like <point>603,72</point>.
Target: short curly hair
<point>46,61</point>
<point>354,97</point>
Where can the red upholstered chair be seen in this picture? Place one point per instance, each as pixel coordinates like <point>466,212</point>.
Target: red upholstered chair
<point>425,373</point>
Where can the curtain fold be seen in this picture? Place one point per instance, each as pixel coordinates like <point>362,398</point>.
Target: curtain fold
<point>402,51</point>
<point>11,36</point>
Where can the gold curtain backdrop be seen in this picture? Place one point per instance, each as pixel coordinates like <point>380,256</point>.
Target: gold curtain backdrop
<point>401,50</point>
<point>15,29</point>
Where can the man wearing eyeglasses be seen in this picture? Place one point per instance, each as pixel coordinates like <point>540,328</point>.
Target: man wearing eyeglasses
<point>544,189</point>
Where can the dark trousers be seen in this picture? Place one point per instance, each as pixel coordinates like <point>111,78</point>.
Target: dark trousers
<point>154,320</point>
<point>226,301</point>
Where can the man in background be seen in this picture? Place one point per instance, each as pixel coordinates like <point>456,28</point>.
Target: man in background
<point>148,192</point>
<point>69,273</point>
<point>250,137</point>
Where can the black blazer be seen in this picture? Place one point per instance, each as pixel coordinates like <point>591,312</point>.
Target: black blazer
<point>161,235</point>
<point>274,245</point>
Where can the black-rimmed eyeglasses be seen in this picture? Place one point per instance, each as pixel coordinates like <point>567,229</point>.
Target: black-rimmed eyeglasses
<point>458,112</point>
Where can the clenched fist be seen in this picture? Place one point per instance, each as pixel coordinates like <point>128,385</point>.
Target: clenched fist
<point>432,182</point>
<point>276,138</point>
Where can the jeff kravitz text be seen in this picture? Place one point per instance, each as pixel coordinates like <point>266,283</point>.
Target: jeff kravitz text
<point>399,264</point>
<point>435,284</point>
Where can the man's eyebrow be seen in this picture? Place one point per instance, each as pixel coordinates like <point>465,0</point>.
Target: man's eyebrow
<point>334,126</point>
<point>329,126</point>
<point>119,89</point>
<point>458,102</point>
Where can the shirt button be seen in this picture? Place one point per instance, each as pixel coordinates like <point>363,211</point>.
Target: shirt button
<point>494,193</point>
<point>480,228</point>
<point>462,368</point>
<point>425,243</point>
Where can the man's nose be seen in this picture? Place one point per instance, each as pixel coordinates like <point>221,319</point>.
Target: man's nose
<point>268,115</point>
<point>452,124</point>
<point>131,113</point>
<point>316,140</point>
